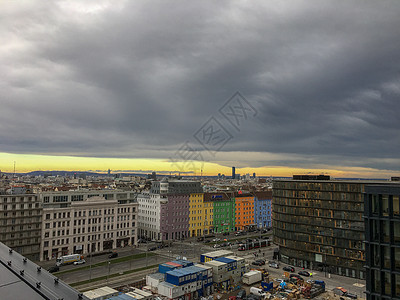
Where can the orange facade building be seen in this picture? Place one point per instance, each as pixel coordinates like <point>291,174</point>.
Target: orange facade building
<point>244,208</point>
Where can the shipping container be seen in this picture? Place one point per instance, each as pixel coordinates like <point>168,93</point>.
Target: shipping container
<point>231,263</point>
<point>153,280</point>
<point>184,263</point>
<point>174,263</point>
<point>208,269</point>
<point>171,291</point>
<point>122,297</point>
<point>214,254</point>
<point>101,293</point>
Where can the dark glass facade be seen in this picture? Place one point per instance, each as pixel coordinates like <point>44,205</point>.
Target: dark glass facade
<point>318,224</point>
<point>382,241</point>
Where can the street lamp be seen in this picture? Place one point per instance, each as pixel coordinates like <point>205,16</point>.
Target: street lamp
<point>90,263</point>
<point>108,274</point>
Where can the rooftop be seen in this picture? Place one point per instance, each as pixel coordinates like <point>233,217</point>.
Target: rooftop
<point>21,278</point>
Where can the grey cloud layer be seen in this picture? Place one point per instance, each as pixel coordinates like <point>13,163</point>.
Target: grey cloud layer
<point>138,78</point>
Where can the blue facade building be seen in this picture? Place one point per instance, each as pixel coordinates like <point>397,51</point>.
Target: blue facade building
<point>263,209</point>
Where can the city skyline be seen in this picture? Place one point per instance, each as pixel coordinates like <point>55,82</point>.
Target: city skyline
<point>29,163</point>
<point>130,85</point>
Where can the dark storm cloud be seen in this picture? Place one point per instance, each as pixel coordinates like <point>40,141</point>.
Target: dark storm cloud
<point>137,79</point>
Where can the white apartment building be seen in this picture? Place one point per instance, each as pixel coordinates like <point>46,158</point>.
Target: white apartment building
<point>87,222</point>
<point>149,215</point>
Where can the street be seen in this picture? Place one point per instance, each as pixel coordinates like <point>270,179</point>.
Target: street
<point>191,250</point>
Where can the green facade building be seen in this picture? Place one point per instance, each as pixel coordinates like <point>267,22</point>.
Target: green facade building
<point>224,211</point>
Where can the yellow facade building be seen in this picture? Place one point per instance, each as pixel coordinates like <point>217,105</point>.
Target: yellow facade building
<point>200,215</point>
<point>208,216</point>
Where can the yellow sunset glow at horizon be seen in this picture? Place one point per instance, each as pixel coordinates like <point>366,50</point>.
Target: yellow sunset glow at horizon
<point>34,162</point>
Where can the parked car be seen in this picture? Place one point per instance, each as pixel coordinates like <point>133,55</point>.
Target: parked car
<point>225,233</point>
<point>297,277</point>
<point>152,248</point>
<point>241,294</point>
<point>53,269</point>
<point>304,273</point>
<point>200,238</point>
<point>344,293</point>
<point>217,246</point>
<point>79,262</point>
<point>113,255</point>
<point>273,264</point>
<point>289,269</point>
<point>216,240</point>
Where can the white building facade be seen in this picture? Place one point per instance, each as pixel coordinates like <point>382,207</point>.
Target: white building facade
<point>87,222</point>
<point>149,215</point>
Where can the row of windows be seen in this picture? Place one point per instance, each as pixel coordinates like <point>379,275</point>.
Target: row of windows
<point>20,206</point>
<point>343,257</point>
<point>81,197</point>
<point>385,205</point>
<point>305,203</point>
<point>319,221</point>
<point>18,199</point>
<point>385,231</point>
<point>354,242</point>
<point>319,186</point>
<point>382,281</point>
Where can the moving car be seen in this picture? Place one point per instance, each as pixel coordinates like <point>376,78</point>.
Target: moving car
<point>200,238</point>
<point>289,269</point>
<point>216,240</point>
<point>261,261</point>
<point>257,263</point>
<point>79,262</point>
<point>304,273</point>
<point>53,269</point>
<point>225,233</point>
<point>113,255</point>
<point>152,248</point>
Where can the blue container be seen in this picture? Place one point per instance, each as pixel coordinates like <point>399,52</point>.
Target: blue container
<point>184,263</point>
<point>225,260</point>
<point>164,268</point>
<point>231,263</point>
<point>175,277</point>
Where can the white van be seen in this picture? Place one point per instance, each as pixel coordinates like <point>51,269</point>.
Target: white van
<point>257,291</point>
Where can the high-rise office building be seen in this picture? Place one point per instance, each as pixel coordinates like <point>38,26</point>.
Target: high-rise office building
<point>382,241</point>
<point>233,173</point>
<point>318,224</point>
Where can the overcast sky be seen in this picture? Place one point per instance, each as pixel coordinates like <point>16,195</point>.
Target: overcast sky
<point>137,79</point>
